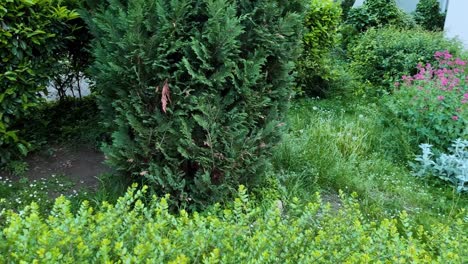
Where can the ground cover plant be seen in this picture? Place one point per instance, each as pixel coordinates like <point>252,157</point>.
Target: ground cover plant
<point>131,231</point>
<point>452,167</point>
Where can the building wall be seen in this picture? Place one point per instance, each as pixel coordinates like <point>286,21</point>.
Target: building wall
<point>456,23</point>
<point>408,5</point>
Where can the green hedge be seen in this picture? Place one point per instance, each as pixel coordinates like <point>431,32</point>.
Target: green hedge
<point>130,232</point>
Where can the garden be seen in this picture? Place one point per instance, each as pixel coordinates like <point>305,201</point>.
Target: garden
<point>231,131</point>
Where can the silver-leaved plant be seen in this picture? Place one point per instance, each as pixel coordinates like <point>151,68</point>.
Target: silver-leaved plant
<point>452,167</point>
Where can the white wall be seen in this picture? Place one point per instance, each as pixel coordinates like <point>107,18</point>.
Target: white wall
<point>408,5</point>
<point>456,23</point>
<point>358,3</point>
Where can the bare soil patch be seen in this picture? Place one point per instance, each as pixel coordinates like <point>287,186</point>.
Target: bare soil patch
<point>80,164</point>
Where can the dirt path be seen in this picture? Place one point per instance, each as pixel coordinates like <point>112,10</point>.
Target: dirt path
<point>82,165</point>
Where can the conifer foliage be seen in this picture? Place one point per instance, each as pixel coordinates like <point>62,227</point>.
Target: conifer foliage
<point>195,91</point>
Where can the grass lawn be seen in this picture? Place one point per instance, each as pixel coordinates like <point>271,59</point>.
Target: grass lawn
<point>334,146</point>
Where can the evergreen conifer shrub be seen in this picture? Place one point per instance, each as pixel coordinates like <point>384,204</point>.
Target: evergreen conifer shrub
<point>195,91</point>
<point>429,15</point>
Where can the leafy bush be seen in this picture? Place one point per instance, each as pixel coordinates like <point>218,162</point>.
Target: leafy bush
<point>433,104</point>
<point>195,91</point>
<point>27,45</point>
<point>321,26</point>
<point>131,231</point>
<point>381,56</point>
<point>378,13</point>
<point>429,16</point>
<point>451,167</point>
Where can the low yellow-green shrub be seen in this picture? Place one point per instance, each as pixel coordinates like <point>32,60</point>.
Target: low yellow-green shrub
<point>132,232</point>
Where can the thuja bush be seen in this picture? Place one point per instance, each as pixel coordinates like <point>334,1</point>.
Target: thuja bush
<point>433,104</point>
<point>27,44</point>
<point>346,5</point>
<point>321,24</point>
<point>429,15</point>
<point>134,232</point>
<point>195,91</point>
<point>381,56</point>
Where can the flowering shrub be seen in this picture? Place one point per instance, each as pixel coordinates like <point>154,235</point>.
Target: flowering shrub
<point>132,232</point>
<point>382,55</point>
<point>433,104</point>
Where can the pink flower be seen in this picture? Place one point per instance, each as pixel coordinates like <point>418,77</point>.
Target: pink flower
<point>444,81</point>
<point>440,97</point>
<point>460,62</point>
<point>455,118</point>
<point>419,76</point>
<point>465,96</point>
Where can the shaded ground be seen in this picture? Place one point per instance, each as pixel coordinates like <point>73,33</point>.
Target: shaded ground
<point>81,165</point>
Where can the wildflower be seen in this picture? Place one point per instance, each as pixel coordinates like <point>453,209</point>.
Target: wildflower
<point>444,81</point>
<point>460,62</point>
<point>455,118</point>
<point>419,76</point>
<point>440,97</point>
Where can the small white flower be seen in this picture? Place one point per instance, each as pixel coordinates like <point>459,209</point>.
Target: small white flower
<point>315,108</point>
